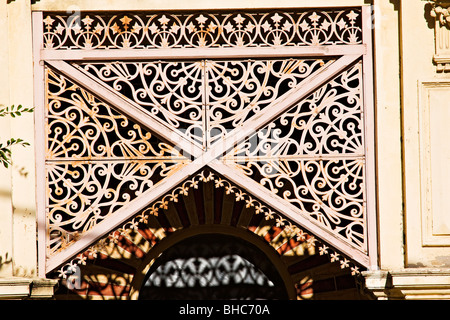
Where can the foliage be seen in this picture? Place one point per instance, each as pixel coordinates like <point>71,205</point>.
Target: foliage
<point>5,147</point>
<point>13,111</point>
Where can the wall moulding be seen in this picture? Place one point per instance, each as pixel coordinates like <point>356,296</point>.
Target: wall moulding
<point>433,95</point>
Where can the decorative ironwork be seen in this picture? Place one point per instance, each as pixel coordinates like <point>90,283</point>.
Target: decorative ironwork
<point>328,122</point>
<point>238,90</point>
<point>313,156</point>
<point>226,270</point>
<point>89,31</point>
<point>171,92</point>
<point>205,99</point>
<point>212,267</point>
<point>80,127</point>
<point>81,195</point>
<point>330,191</point>
<point>132,226</point>
<point>307,150</point>
<point>282,156</point>
<point>97,160</point>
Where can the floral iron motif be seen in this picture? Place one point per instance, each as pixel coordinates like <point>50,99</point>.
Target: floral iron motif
<point>89,31</point>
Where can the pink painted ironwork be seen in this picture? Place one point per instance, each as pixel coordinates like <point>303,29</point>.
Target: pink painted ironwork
<point>288,129</point>
<point>88,31</point>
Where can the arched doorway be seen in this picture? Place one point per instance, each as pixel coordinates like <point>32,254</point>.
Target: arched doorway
<point>213,266</point>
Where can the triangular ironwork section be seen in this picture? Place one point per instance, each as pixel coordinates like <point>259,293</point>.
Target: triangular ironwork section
<point>97,160</point>
<point>126,247</point>
<point>313,157</point>
<point>205,99</point>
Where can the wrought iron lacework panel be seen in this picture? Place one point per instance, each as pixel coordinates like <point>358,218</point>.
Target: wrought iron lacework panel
<point>292,128</point>
<point>204,99</point>
<point>97,160</point>
<point>327,122</point>
<point>313,156</point>
<point>203,29</point>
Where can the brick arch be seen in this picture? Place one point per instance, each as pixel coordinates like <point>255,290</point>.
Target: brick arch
<point>114,267</point>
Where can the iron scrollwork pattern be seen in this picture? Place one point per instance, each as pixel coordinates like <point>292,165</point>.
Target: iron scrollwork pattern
<point>132,227</point>
<point>239,90</point>
<point>206,99</point>
<point>97,160</point>
<point>204,272</point>
<point>172,92</point>
<point>313,156</point>
<point>89,31</point>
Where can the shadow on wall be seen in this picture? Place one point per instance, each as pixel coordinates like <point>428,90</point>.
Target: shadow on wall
<point>427,15</point>
<point>4,260</point>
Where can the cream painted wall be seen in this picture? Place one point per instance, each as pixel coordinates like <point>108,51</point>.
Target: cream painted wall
<point>65,5</point>
<point>23,173</point>
<point>426,191</point>
<point>5,174</point>
<point>388,133</point>
<point>17,205</point>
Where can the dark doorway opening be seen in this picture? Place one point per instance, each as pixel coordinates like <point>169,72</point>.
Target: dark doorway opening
<point>213,267</point>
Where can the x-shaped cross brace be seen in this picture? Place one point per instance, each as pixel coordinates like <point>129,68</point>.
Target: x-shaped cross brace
<point>206,158</point>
